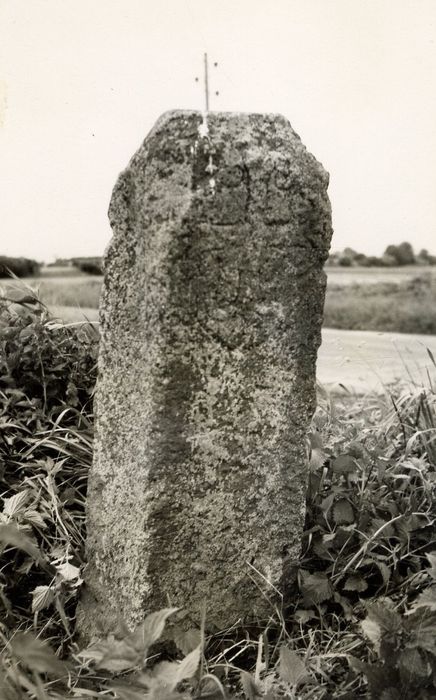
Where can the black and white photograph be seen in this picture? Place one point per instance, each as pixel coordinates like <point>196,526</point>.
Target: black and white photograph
<point>218,349</point>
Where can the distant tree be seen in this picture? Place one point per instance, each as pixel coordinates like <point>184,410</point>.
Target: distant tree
<point>394,255</point>
<point>21,267</point>
<point>392,252</point>
<point>388,260</point>
<point>374,261</point>
<point>350,253</point>
<point>402,253</point>
<point>361,259</point>
<point>425,258</point>
<point>333,259</point>
<point>60,262</point>
<point>92,266</point>
<point>406,254</point>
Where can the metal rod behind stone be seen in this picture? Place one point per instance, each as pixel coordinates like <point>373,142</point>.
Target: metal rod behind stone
<point>206,82</point>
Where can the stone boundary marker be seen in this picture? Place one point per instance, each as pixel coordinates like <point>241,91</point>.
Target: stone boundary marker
<point>210,324</point>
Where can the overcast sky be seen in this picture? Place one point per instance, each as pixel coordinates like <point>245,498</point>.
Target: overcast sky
<point>83,81</point>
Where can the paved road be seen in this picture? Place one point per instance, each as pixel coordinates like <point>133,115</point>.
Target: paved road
<point>360,360</point>
<point>367,360</point>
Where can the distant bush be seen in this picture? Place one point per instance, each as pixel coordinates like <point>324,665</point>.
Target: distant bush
<point>402,253</point>
<point>345,261</point>
<point>21,267</point>
<point>60,262</point>
<point>92,266</point>
<point>394,255</point>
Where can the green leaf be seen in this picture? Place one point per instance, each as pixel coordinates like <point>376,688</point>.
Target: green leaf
<point>343,513</point>
<point>385,571</point>
<point>426,599</point>
<point>94,652</point>
<point>381,677</point>
<point>345,464</point>
<point>36,655</point>
<point>34,518</point>
<point>291,668</point>
<point>163,675</point>
<point>169,674</point>
<point>317,454</point>
<point>17,296</point>
<point>327,503</point>
<point>68,572</point>
<point>302,616</point>
<point>126,692</point>
<point>12,536</point>
<point>119,656</point>
<point>150,630</point>
<point>411,663</point>
<point>188,666</point>
<point>355,583</point>
<point>421,624</point>
<point>186,641</point>
<point>348,609</point>
<point>15,504</point>
<point>42,597</point>
<point>249,686</point>
<point>431,556</point>
<point>390,693</point>
<point>372,630</point>
<point>381,622</point>
<point>8,692</point>
<point>431,356</point>
<point>315,587</point>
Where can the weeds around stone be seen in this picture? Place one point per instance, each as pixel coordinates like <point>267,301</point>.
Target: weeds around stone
<point>362,622</point>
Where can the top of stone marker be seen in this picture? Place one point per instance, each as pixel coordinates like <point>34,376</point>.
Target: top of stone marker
<point>173,113</point>
<point>176,114</point>
<point>264,130</point>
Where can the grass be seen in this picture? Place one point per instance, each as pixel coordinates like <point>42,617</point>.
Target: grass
<point>83,294</point>
<point>375,303</point>
<point>405,307</point>
<point>362,618</point>
<point>373,275</point>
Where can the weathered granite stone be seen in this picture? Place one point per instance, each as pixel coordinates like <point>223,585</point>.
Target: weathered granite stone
<point>210,323</point>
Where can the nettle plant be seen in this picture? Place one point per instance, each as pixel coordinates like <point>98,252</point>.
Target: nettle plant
<point>370,534</point>
<point>47,377</point>
<point>404,644</point>
<point>363,618</point>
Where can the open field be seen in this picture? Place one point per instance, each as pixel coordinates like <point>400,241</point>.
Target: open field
<point>73,289</point>
<point>345,276</point>
<point>406,307</point>
<point>61,271</point>
<point>392,300</point>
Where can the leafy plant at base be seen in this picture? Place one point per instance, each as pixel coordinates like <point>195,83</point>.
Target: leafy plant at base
<point>371,512</point>
<point>405,646</point>
<point>369,532</point>
<point>47,377</point>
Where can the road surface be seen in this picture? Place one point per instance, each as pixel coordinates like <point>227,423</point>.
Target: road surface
<point>361,361</point>
<point>364,361</point>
